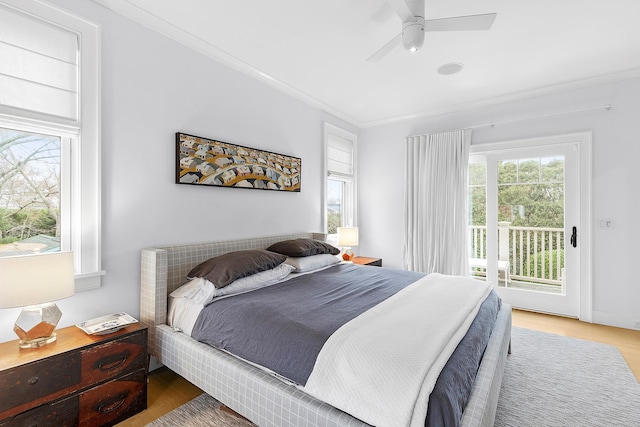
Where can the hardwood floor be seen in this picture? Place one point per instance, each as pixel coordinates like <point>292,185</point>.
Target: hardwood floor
<point>627,340</point>
<point>167,390</point>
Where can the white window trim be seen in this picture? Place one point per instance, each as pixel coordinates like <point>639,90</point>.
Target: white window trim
<point>81,144</point>
<point>330,129</point>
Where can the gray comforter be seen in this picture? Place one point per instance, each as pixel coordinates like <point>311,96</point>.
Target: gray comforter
<point>284,326</point>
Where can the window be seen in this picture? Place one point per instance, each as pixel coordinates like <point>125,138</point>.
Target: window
<point>30,196</point>
<point>49,134</point>
<point>340,194</point>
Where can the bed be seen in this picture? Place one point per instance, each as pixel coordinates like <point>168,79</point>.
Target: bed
<point>249,390</point>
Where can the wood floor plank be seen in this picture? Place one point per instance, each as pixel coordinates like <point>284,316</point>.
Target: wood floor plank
<point>166,391</point>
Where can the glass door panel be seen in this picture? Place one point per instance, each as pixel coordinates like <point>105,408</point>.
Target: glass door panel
<point>522,208</point>
<point>531,222</point>
<point>477,204</point>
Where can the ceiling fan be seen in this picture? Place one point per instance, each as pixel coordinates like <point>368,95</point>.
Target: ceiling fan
<point>414,25</point>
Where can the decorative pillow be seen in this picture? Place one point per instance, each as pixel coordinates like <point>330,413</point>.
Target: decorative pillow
<point>303,247</point>
<point>224,269</point>
<point>310,263</point>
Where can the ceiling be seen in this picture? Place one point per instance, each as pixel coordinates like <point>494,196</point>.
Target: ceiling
<point>317,50</point>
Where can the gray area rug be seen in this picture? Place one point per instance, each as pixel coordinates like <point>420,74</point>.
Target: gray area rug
<point>203,411</point>
<point>550,380</point>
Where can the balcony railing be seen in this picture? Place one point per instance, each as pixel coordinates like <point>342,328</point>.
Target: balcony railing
<point>534,254</point>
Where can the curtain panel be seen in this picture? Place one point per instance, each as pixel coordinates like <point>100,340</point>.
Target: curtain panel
<point>435,220</point>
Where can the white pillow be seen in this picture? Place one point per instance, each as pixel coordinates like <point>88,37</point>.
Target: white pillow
<point>199,290</point>
<point>310,263</point>
<point>186,302</point>
<point>183,313</point>
<point>255,281</point>
<point>202,291</point>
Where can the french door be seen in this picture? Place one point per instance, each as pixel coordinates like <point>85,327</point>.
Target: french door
<point>528,242</point>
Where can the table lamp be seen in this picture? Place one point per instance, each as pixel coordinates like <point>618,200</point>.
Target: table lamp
<point>33,282</point>
<point>347,237</point>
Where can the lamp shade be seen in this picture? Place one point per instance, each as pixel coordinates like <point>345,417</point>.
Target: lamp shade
<point>35,279</point>
<point>348,236</point>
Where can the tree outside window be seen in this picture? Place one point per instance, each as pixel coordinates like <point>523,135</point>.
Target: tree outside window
<point>335,205</point>
<point>29,193</point>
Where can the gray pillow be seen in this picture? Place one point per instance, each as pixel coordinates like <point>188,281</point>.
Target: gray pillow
<point>303,247</point>
<point>224,269</point>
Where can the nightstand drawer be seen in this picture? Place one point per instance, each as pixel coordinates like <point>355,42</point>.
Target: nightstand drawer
<point>114,358</point>
<point>114,401</point>
<point>38,379</point>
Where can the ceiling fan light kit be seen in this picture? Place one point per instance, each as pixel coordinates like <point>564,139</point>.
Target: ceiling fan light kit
<point>413,34</point>
<point>411,13</point>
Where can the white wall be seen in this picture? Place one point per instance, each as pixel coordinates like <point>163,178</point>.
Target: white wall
<point>615,185</point>
<point>153,87</point>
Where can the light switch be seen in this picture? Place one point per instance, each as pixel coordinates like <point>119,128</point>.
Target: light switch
<point>606,223</point>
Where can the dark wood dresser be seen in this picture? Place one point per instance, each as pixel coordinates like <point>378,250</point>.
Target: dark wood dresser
<point>80,380</point>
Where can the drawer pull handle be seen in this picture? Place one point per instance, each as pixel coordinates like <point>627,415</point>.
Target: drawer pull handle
<point>33,380</point>
<point>110,364</point>
<point>112,404</point>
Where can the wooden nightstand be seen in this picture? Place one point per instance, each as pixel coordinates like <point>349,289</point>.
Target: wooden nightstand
<point>80,380</point>
<point>363,260</point>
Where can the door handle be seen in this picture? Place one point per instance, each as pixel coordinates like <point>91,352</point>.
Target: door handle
<point>574,237</point>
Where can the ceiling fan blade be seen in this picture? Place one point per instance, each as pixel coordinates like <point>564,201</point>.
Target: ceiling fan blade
<point>402,9</point>
<point>480,22</point>
<point>384,50</point>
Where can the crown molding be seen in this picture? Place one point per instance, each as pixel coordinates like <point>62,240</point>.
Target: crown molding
<point>162,26</point>
<point>157,24</point>
<point>515,96</point>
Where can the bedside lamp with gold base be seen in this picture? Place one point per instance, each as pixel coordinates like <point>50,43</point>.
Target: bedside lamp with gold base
<point>33,282</point>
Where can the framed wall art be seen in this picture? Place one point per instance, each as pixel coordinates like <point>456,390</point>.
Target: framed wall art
<point>208,162</point>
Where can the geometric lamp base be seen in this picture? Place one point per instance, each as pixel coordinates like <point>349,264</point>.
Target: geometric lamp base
<point>36,323</point>
<point>347,253</point>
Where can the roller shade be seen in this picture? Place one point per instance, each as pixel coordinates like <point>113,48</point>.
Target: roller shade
<point>39,66</point>
<point>339,155</point>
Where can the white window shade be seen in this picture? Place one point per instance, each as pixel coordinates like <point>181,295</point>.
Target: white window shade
<point>339,155</point>
<point>39,67</point>
<point>50,58</point>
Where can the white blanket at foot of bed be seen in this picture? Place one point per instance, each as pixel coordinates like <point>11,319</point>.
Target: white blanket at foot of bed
<point>382,366</point>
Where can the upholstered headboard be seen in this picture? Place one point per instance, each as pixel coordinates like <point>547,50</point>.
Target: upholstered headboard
<point>164,269</point>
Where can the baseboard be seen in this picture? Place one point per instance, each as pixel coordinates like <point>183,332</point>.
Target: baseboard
<point>615,319</point>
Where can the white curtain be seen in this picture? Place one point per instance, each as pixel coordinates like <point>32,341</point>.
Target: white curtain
<point>436,203</point>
